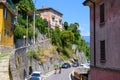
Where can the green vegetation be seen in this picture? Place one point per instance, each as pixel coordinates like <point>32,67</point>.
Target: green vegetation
<point>19,31</point>
<point>63,39</point>
<point>25,8</point>
<point>41,24</point>
<point>32,54</point>
<point>3,55</point>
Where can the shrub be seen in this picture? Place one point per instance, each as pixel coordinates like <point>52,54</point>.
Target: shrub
<point>19,32</point>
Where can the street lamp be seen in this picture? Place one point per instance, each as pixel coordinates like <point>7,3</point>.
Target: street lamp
<point>34,28</point>
<point>24,40</point>
<point>27,31</point>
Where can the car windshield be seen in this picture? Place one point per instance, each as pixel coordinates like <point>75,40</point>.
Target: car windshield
<point>35,75</point>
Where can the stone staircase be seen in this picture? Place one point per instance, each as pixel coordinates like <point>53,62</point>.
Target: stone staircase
<point>4,66</point>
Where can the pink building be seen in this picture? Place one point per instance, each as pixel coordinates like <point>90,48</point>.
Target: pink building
<point>53,16</point>
<point>105,39</point>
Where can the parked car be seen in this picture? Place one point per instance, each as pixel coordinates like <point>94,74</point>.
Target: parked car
<point>75,64</point>
<point>36,75</point>
<point>86,65</point>
<point>34,78</point>
<point>66,65</point>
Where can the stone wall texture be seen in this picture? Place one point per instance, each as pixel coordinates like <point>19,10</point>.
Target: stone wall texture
<point>20,63</point>
<point>5,49</point>
<point>81,57</point>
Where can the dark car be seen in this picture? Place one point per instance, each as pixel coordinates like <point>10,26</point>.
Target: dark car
<point>36,75</point>
<point>66,65</point>
<point>75,64</point>
<point>34,78</point>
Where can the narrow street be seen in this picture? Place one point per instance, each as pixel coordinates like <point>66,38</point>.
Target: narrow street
<point>63,76</point>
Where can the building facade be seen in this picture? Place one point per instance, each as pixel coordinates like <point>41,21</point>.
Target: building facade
<point>6,24</point>
<point>104,39</point>
<point>53,17</point>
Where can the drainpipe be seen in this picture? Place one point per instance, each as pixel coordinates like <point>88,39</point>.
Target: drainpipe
<point>94,30</point>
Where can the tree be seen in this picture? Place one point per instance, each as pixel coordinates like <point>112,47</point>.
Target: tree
<point>66,25</point>
<point>41,24</point>
<point>67,37</point>
<point>25,7</point>
<point>57,36</point>
<point>77,35</point>
<point>15,1</point>
<point>74,27</point>
<point>76,24</point>
<point>30,33</point>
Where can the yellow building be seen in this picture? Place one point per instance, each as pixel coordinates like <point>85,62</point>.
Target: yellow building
<point>6,24</point>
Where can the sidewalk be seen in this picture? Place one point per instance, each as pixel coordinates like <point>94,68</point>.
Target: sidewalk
<point>4,66</point>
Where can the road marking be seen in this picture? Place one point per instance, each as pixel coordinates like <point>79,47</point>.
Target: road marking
<point>72,73</point>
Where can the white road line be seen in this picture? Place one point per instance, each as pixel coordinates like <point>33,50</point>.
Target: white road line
<point>72,73</point>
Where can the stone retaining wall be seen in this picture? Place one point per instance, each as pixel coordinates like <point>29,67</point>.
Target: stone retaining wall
<point>20,63</point>
<point>5,49</point>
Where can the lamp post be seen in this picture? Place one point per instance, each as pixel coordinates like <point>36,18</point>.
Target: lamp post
<point>27,32</point>
<point>24,40</point>
<point>34,28</point>
<point>34,15</point>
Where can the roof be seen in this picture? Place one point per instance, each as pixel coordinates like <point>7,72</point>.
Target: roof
<point>14,12</point>
<point>88,2</point>
<point>49,8</point>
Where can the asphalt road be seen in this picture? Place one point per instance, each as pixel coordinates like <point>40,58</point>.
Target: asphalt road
<point>64,75</point>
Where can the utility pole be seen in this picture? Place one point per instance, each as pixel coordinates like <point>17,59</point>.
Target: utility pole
<point>34,28</point>
<point>27,32</point>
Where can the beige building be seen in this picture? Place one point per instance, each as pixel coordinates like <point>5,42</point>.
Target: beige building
<point>53,17</point>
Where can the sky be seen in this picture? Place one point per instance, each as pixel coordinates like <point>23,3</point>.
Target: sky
<point>72,10</point>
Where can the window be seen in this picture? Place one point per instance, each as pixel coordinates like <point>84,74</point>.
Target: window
<point>102,16</point>
<point>53,18</point>
<point>5,13</point>
<point>102,51</point>
<point>60,21</point>
<point>45,12</point>
<point>12,19</point>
